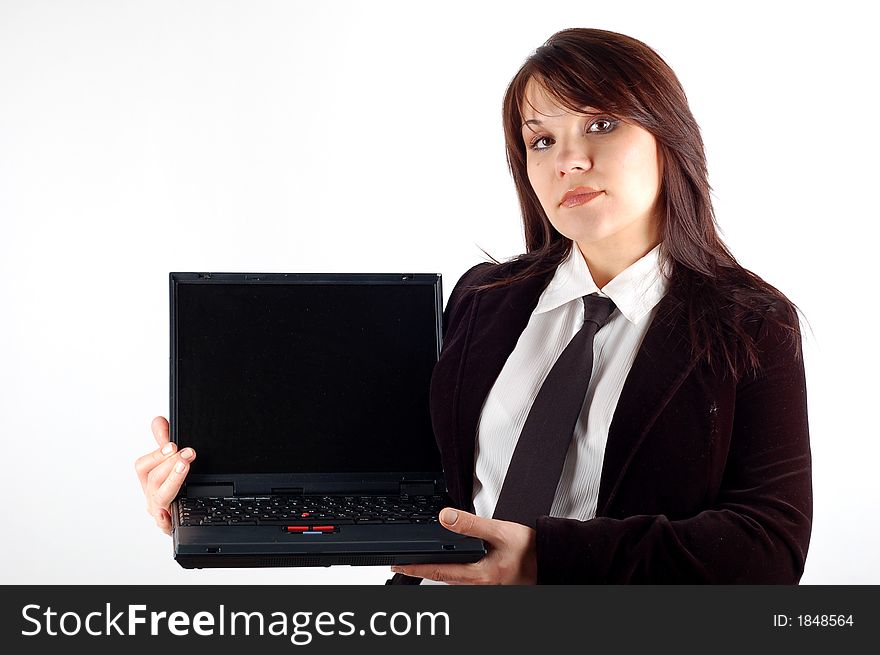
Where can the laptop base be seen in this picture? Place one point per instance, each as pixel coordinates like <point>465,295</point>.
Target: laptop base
<point>353,545</point>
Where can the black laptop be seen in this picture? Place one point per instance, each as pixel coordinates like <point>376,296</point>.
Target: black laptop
<point>305,397</point>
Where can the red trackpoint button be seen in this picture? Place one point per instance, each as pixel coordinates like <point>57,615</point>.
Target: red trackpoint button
<point>297,528</point>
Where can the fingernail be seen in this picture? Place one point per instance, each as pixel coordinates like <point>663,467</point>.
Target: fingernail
<point>450,516</point>
<point>167,449</point>
<point>186,453</point>
<point>179,467</point>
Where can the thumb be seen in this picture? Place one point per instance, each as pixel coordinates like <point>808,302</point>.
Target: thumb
<point>465,523</point>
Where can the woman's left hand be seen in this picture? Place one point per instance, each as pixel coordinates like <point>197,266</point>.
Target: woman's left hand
<point>511,556</point>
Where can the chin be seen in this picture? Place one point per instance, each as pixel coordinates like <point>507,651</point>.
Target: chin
<point>586,229</point>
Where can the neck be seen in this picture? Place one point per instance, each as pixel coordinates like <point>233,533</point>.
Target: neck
<point>607,258</point>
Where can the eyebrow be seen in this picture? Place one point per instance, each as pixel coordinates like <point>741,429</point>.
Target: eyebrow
<point>535,121</point>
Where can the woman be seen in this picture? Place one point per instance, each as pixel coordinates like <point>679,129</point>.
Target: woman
<point>676,450</point>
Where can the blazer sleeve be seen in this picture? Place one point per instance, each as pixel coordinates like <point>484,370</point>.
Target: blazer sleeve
<point>757,531</point>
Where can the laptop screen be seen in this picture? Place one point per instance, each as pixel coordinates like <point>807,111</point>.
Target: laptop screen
<point>306,375</point>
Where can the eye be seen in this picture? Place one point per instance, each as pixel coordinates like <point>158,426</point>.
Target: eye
<point>605,125</point>
<point>534,143</point>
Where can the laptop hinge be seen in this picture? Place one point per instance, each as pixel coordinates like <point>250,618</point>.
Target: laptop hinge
<point>287,491</point>
<point>417,488</point>
<point>209,490</point>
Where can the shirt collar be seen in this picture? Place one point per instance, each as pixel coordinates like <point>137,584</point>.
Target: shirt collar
<point>635,290</point>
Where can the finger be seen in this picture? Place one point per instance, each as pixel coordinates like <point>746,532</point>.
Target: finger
<point>165,493</point>
<point>166,479</point>
<point>450,573</point>
<point>163,520</point>
<point>470,524</point>
<point>160,430</point>
<point>146,463</point>
<point>155,478</point>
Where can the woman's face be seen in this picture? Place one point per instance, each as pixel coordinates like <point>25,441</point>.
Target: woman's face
<point>617,162</point>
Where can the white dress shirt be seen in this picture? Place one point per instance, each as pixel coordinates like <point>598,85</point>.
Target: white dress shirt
<point>557,317</point>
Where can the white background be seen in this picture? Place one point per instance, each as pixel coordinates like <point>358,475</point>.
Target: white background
<point>138,138</point>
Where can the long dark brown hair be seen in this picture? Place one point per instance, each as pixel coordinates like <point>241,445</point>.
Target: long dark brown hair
<point>622,76</point>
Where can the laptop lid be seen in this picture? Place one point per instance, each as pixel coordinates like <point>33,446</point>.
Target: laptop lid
<point>305,383</point>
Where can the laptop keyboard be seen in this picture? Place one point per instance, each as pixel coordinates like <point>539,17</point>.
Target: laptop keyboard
<point>308,510</point>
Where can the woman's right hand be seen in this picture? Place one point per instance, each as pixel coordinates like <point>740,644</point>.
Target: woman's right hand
<point>162,473</point>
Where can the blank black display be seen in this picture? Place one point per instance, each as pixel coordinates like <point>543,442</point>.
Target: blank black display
<point>304,378</point>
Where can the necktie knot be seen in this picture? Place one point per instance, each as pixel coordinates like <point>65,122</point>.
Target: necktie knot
<point>597,309</point>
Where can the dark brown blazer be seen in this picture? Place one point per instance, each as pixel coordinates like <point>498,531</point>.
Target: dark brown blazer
<point>706,478</point>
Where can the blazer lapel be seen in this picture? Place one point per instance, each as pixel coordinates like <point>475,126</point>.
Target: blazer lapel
<point>661,365</point>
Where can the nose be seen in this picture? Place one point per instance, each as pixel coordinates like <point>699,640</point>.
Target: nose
<point>573,158</point>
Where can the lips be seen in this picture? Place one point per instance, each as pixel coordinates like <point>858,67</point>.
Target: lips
<point>580,195</point>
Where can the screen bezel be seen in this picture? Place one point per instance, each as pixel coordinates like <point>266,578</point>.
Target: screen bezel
<point>263,483</point>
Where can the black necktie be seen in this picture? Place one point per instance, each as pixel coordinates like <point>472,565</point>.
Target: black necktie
<point>536,466</point>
